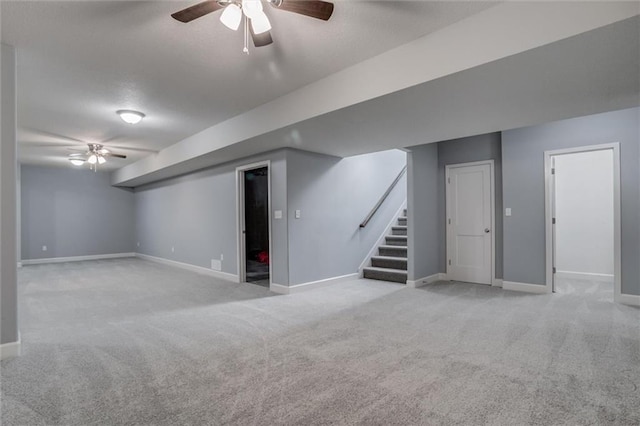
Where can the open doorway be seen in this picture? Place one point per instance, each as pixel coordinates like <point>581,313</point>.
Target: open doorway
<point>583,221</point>
<point>254,231</point>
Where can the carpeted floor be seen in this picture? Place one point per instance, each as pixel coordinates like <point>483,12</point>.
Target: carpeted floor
<point>133,342</point>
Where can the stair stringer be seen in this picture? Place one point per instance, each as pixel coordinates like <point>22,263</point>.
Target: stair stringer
<point>394,220</point>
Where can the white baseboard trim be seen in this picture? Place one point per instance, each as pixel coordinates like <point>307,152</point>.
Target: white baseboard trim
<point>297,288</point>
<point>11,349</point>
<point>381,240</point>
<point>497,282</point>
<point>525,287</point>
<point>427,280</point>
<point>199,269</point>
<point>628,299</point>
<point>585,276</point>
<point>76,258</point>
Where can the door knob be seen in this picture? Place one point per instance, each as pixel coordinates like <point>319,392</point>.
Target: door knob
<point>486,230</point>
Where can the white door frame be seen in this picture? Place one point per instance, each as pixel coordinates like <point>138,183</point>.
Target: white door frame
<point>549,199</point>
<point>241,243</point>
<point>447,168</point>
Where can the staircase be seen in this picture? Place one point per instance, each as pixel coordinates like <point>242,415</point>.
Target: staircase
<point>391,262</point>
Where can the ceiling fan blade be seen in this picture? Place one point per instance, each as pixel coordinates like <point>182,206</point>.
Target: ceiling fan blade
<point>262,39</point>
<point>128,148</point>
<point>314,8</point>
<point>196,11</point>
<point>110,154</point>
<point>48,144</point>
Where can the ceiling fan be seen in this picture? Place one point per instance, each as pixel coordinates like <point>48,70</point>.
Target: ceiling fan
<point>255,20</point>
<point>95,155</point>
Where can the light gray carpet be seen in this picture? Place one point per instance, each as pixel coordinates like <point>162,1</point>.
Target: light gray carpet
<point>132,342</point>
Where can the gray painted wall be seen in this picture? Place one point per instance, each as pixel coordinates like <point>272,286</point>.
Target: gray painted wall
<point>334,196</point>
<point>8,212</point>
<point>196,214</point>
<point>422,209</point>
<point>466,150</point>
<point>74,212</point>
<point>523,189</point>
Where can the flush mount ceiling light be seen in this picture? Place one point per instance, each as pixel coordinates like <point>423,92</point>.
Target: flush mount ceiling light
<point>129,116</point>
<point>256,21</point>
<point>76,159</point>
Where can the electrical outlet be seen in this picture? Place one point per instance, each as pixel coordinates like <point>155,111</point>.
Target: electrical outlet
<point>221,257</point>
<point>216,265</point>
<point>173,249</point>
<point>44,248</point>
<point>298,213</point>
<point>138,243</point>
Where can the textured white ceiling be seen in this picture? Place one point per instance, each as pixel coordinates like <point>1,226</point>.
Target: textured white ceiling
<point>79,62</point>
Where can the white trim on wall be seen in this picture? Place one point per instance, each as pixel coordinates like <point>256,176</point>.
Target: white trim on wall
<point>525,287</point>
<point>427,280</point>
<point>447,168</point>
<point>76,258</point>
<point>240,218</point>
<point>548,209</point>
<point>11,349</point>
<point>629,299</point>
<point>607,278</point>
<point>198,269</point>
<point>394,220</point>
<point>283,289</point>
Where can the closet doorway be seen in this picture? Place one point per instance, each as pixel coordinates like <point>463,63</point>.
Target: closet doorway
<point>254,223</point>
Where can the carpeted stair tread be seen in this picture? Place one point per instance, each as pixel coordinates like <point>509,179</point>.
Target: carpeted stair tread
<point>396,240</point>
<point>398,230</point>
<point>385,274</point>
<point>389,246</point>
<point>397,251</point>
<point>393,262</point>
<point>390,257</point>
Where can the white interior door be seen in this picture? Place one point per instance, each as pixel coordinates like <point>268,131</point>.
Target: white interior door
<point>469,223</point>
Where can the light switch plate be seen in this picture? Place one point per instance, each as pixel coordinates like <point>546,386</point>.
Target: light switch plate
<point>277,214</point>
<point>507,211</point>
<point>297,214</point>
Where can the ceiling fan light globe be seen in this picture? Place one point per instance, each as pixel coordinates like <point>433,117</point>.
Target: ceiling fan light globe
<point>92,159</point>
<point>76,161</point>
<point>252,8</point>
<point>260,23</point>
<point>101,160</point>
<point>231,17</point>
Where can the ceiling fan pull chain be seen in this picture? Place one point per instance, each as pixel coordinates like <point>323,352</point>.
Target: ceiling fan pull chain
<point>246,35</point>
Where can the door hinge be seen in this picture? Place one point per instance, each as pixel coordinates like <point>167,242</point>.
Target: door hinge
<point>554,269</point>
<point>553,171</point>
<point>448,180</point>
<point>449,221</point>
<point>553,220</point>
<point>449,262</point>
